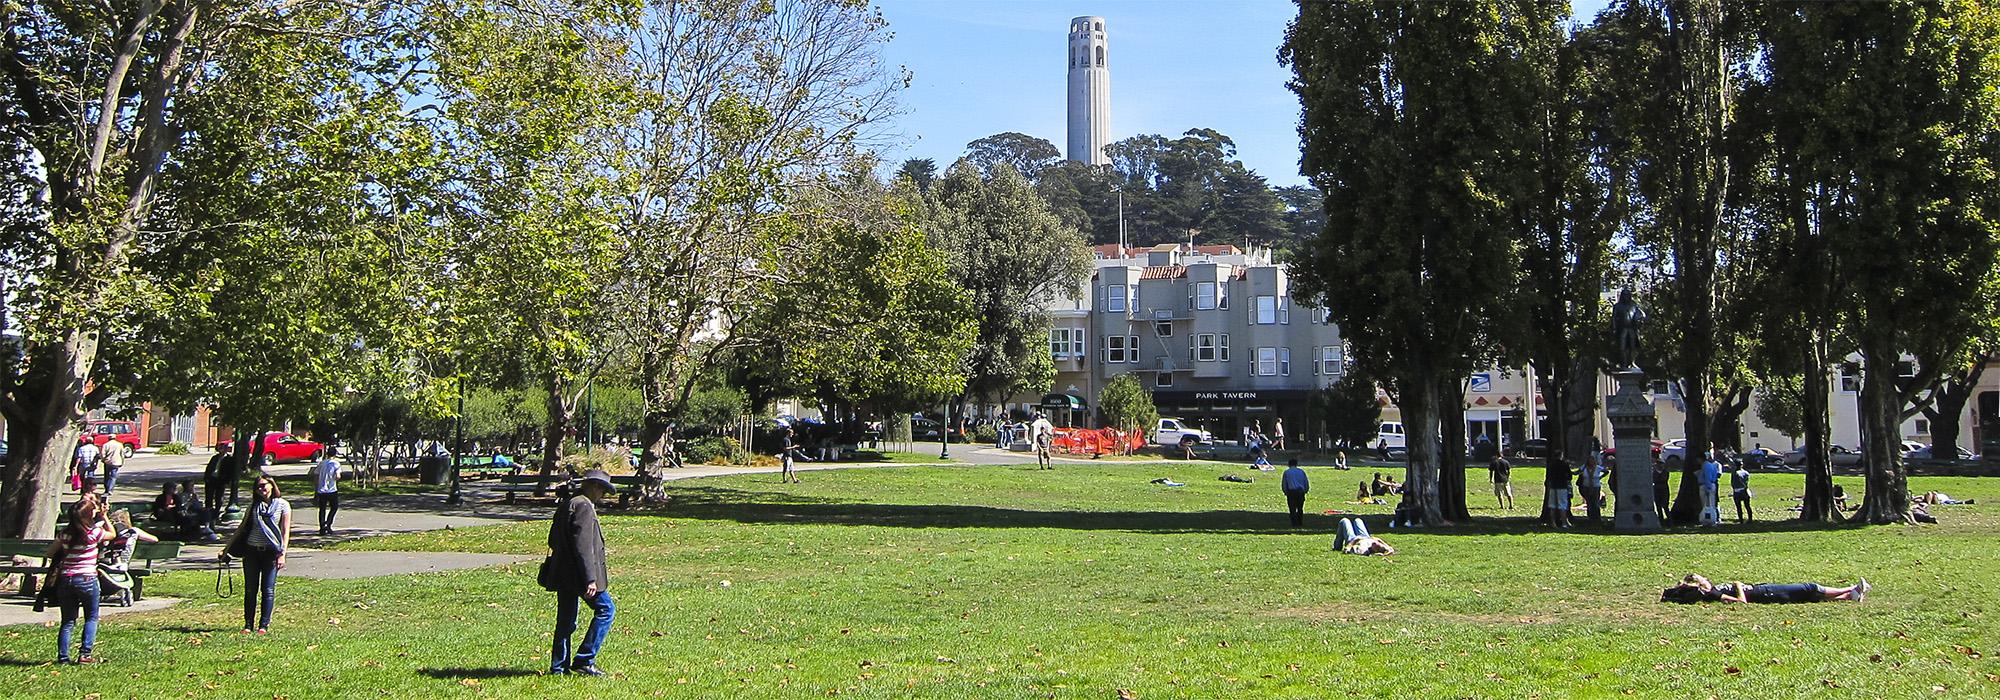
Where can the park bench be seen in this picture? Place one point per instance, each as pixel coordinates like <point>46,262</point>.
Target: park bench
<point>482,466</point>
<point>628,485</point>
<point>37,550</point>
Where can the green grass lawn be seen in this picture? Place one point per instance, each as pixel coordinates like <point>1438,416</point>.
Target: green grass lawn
<point>968,582</point>
<point>918,457</point>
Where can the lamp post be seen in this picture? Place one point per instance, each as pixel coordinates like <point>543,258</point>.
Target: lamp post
<point>457,497</point>
<point>944,433</point>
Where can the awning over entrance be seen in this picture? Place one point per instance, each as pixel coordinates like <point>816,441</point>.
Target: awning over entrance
<point>1065,410</point>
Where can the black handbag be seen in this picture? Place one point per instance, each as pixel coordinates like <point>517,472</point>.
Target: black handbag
<point>547,576</point>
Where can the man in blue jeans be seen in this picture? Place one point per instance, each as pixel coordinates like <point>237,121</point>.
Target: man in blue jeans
<point>577,551</point>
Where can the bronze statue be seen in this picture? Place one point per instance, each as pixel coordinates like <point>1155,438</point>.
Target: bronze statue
<point>1626,320</point>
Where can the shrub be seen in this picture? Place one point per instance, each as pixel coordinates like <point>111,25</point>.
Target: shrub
<point>716,450</point>
<point>611,461</point>
<point>985,433</point>
<point>174,448</point>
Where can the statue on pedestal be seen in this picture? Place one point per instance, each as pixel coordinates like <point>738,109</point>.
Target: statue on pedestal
<point>1626,319</point>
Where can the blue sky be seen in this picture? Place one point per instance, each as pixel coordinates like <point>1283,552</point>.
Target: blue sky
<point>981,67</point>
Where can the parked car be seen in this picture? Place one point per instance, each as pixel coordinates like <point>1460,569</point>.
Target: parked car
<point>1924,452</point>
<point>1762,458</point>
<point>1531,448</point>
<point>123,432</point>
<point>928,430</point>
<point>1611,453</point>
<point>1840,456</point>
<point>1174,432</point>
<point>1390,434</point>
<point>286,447</point>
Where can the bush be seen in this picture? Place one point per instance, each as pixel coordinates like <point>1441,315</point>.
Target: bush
<point>717,451</point>
<point>174,448</point>
<point>611,461</point>
<point>985,434</point>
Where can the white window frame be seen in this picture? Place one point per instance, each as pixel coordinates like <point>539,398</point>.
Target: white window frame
<point>1114,349</point>
<point>1850,383</point>
<point>1222,348</point>
<point>1164,379</point>
<point>1204,347</point>
<point>1222,294</point>
<point>1266,364</point>
<point>1204,301</point>
<point>1076,349</point>
<point>1132,347</point>
<point>1265,312</point>
<point>1285,361</point>
<point>1285,310</point>
<point>1059,343</point>
<point>1329,360</point>
<point>1114,298</point>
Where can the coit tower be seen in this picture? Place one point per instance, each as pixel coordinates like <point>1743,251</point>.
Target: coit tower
<point>1089,92</point>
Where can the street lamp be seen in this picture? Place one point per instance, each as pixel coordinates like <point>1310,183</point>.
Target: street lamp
<point>457,497</point>
<point>944,433</point>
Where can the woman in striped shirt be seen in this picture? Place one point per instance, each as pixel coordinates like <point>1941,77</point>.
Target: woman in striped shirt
<point>76,590</point>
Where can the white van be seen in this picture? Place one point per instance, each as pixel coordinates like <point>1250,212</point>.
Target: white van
<point>1391,433</point>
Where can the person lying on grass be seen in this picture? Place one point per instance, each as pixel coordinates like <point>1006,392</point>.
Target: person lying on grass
<point>1697,589</point>
<point>1354,539</point>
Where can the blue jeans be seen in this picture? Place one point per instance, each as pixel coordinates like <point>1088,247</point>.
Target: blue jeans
<point>1351,529</point>
<point>110,479</point>
<point>260,579</point>
<point>76,593</point>
<point>593,638</point>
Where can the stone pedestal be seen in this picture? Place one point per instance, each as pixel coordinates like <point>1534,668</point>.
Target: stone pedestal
<point>1631,416</point>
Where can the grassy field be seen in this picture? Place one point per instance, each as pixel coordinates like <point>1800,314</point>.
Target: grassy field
<point>1089,582</point>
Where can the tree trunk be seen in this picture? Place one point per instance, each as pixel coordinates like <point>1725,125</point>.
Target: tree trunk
<point>1818,506</point>
<point>1946,412</point>
<point>561,409</point>
<point>1687,504</point>
<point>1888,497</point>
<point>1420,478</point>
<point>32,481</point>
<point>1451,462</point>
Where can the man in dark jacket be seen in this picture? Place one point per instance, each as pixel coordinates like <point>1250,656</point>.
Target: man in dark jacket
<point>577,545</point>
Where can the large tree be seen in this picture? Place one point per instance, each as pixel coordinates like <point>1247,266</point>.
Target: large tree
<point>113,102</point>
<point>1027,155</point>
<point>1415,118</point>
<point>1013,255</point>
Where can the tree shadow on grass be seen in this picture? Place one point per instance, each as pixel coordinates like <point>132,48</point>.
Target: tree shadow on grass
<point>752,507</point>
<point>452,674</point>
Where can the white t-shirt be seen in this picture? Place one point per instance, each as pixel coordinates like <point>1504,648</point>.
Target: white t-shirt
<point>326,476</point>
<point>279,508</point>
<point>86,453</point>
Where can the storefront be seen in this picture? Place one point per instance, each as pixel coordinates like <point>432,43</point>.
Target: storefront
<point>1066,411</point>
<point>1226,413</point>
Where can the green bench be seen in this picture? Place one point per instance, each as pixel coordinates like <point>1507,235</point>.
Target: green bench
<point>37,550</point>
<point>628,485</point>
<point>482,466</point>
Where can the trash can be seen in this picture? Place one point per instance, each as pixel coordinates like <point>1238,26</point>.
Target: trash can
<point>433,470</point>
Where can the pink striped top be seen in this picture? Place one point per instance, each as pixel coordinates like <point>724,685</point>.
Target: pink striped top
<point>80,555</point>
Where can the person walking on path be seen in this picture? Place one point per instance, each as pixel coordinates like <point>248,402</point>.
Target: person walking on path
<point>261,541</point>
<point>1590,484</point>
<point>214,478</point>
<point>1739,491</point>
<point>1044,435</point>
<point>112,455</point>
<point>326,492</point>
<point>1711,478</point>
<point>74,553</point>
<point>787,451</point>
<point>1558,482</point>
<point>1502,474</point>
<point>576,545</point>
<point>1278,434</point>
<point>1295,486</point>
<point>84,464</point>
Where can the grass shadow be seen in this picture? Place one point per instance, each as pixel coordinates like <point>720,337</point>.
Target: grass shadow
<point>452,674</point>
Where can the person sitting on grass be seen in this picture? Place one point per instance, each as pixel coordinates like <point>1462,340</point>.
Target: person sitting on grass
<point>1363,496</point>
<point>1695,588</point>
<point>1384,486</point>
<point>1354,539</point>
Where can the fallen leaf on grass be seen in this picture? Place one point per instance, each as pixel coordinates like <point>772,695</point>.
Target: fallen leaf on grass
<point>469,682</point>
<point>947,660</point>
<point>1966,650</point>
<point>1124,694</point>
<point>1877,658</point>
<point>1732,670</point>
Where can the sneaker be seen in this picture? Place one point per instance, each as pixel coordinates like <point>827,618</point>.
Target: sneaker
<point>590,670</point>
<point>263,630</point>
<point>88,659</point>
<point>1861,590</point>
<point>246,630</point>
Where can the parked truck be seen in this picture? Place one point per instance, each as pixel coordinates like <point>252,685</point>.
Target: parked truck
<point>1173,432</point>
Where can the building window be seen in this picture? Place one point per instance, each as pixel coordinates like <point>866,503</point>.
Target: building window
<point>1266,312</point>
<point>1114,298</point>
<point>1114,348</point>
<point>1204,347</point>
<point>1163,329</point>
<point>1222,295</point>
<point>1285,361</point>
<point>1222,351</point>
<point>1100,57</point>
<point>1329,360</point>
<point>1132,347</point>
<point>1850,378</point>
<point>1267,362</point>
<point>1285,310</point>
<point>1059,343</point>
<point>1164,379</point>
<point>1923,427</point>
<point>1204,296</point>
